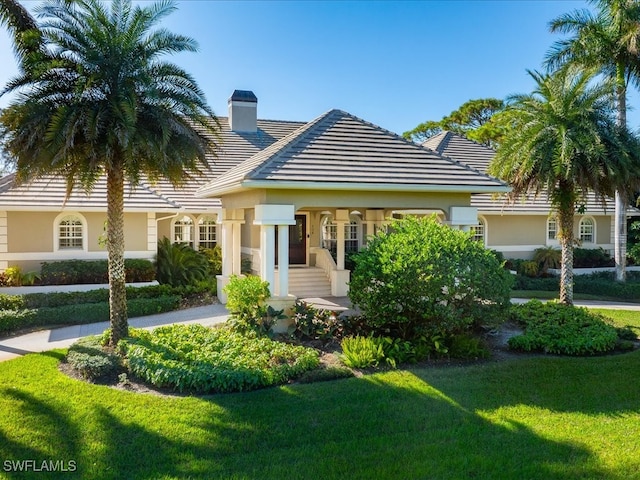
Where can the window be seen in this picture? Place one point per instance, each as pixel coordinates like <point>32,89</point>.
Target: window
<point>587,230</point>
<point>70,232</point>
<point>207,229</point>
<point>478,231</point>
<point>552,228</point>
<point>352,234</point>
<point>183,230</point>
<point>329,234</point>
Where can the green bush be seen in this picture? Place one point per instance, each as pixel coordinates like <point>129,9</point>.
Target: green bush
<point>13,320</point>
<point>361,352</point>
<point>466,346</point>
<point>528,268</point>
<point>214,257</point>
<point>68,272</point>
<point>246,301</point>
<point>12,302</point>
<point>193,358</point>
<point>179,264</point>
<point>83,313</point>
<point>561,329</point>
<point>421,277</point>
<point>311,323</point>
<point>91,361</point>
<point>547,257</point>
<point>591,258</point>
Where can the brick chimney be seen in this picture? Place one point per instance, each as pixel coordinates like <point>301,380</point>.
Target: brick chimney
<point>243,111</point>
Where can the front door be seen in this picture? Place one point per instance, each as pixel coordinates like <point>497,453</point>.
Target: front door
<point>297,241</point>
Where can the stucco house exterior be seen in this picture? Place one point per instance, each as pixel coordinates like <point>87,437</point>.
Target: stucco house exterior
<point>291,197</point>
<point>517,229</point>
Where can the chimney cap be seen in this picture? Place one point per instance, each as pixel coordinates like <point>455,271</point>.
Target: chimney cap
<point>243,96</point>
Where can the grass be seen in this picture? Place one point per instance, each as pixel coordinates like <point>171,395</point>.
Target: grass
<point>548,295</point>
<point>533,418</point>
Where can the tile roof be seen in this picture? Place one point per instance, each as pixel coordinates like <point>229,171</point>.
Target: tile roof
<point>480,156</point>
<point>339,150</point>
<point>235,147</point>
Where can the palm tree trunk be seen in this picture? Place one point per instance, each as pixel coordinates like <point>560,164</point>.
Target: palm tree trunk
<point>620,221</point>
<point>565,220</point>
<point>115,249</point>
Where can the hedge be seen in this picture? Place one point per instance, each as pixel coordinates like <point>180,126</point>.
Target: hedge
<point>76,314</point>
<point>70,272</point>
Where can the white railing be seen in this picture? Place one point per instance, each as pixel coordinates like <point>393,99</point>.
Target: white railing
<point>324,260</point>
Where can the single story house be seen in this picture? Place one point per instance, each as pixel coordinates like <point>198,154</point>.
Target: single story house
<point>517,229</point>
<point>293,198</point>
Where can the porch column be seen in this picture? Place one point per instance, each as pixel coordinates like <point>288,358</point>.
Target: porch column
<point>373,219</point>
<point>236,263</point>
<point>267,255</point>
<point>227,248</point>
<point>283,260</point>
<point>268,217</point>
<point>341,219</point>
<point>230,220</point>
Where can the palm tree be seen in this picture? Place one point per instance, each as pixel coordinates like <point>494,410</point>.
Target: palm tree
<point>22,27</point>
<point>104,103</point>
<point>610,41</point>
<point>563,140</point>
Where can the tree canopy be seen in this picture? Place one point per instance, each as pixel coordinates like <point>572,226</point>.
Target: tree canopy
<point>564,142</point>
<point>103,102</point>
<point>474,119</point>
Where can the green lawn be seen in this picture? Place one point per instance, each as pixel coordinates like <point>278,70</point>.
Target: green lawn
<point>529,418</point>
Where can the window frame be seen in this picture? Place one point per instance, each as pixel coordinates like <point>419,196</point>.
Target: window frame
<point>581,233</point>
<point>57,225</point>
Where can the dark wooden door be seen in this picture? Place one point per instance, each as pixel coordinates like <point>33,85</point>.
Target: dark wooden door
<point>297,241</point>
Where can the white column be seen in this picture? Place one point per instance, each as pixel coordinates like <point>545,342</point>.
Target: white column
<point>267,254</point>
<point>237,249</point>
<point>340,244</point>
<point>283,260</point>
<point>227,249</point>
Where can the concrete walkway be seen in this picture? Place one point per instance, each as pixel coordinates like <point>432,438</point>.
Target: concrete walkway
<point>44,340</point>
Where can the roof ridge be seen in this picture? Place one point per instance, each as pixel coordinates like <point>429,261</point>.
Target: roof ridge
<point>287,142</point>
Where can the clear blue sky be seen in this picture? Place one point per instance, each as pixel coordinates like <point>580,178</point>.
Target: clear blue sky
<point>393,63</point>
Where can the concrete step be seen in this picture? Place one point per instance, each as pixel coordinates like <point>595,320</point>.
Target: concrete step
<point>308,282</point>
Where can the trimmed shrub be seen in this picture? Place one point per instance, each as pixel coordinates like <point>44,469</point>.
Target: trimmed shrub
<point>420,277</point>
<point>591,258</point>
<point>194,358</point>
<point>561,329</point>
<point>12,320</point>
<point>83,313</point>
<point>325,374</point>
<point>88,358</point>
<point>69,272</point>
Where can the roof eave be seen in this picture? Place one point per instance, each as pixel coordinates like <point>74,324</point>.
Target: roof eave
<point>382,187</point>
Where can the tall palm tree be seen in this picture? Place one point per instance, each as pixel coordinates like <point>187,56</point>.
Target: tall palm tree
<point>610,41</point>
<point>104,102</point>
<point>563,140</point>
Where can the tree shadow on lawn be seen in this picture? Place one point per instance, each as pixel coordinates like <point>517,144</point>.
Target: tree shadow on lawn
<point>399,424</point>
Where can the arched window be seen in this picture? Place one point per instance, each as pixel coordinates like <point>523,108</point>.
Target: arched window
<point>70,232</point>
<point>587,230</point>
<point>352,234</point>
<point>207,232</point>
<point>479,231</point>
<point>552,229</point>
<point>183,230</point>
